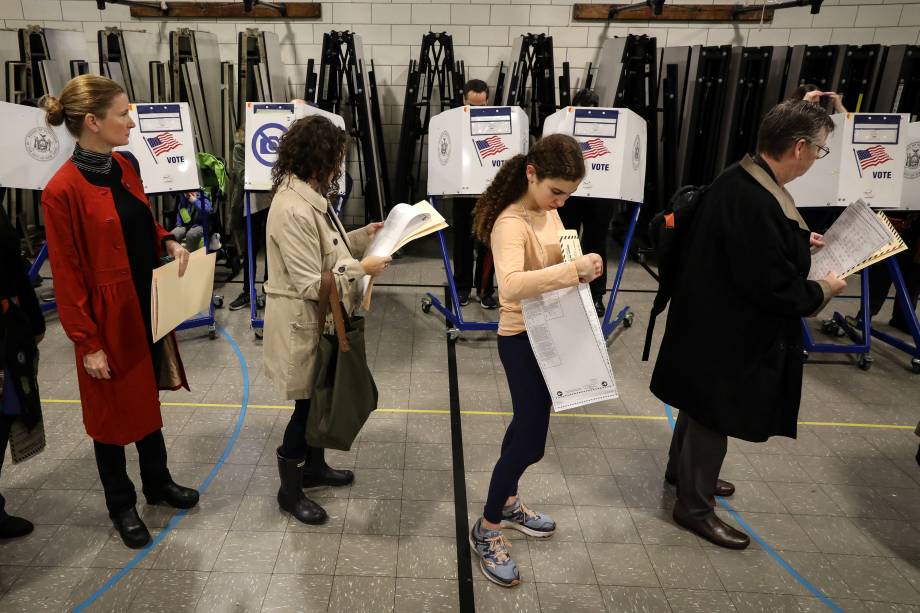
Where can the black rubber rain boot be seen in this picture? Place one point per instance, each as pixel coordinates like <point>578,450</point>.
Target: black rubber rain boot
<point>290,495</point>
<point>317,473</point>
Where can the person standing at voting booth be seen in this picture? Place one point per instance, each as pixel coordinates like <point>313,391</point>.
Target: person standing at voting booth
<point>304,240</point>
<point>467,249</point>
<point>745,262</point>
<point>517,215</point>
<point>22,328</point>
<point>591,217</point>
<point>103,244</point>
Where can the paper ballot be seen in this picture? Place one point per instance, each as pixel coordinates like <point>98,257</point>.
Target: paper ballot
<point>859,238</point>
<point>404,224</point>
<point>567,341</point>
<point>173,299</point>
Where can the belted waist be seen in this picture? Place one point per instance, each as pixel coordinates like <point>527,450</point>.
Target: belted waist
<point>97,278</point>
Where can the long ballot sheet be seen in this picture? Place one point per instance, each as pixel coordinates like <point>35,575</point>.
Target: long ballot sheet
<point>567,341</point>
<point>860,237</point>
<point>174,299</point>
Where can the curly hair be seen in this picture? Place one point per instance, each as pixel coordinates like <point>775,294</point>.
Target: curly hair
<point>313,148</point>
<point>557,156</point>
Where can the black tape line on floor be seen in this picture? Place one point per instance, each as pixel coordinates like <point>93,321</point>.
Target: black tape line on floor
<point>464,561</point>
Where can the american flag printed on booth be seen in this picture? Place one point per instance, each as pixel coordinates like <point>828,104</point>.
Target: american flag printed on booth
<point>162,143</point>
<point>487,147</point>
<point>872,156</point>
<point>593,148</point>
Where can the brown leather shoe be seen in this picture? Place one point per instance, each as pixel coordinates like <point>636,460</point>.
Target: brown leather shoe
<point>712,529</point>
<point>723,488</point>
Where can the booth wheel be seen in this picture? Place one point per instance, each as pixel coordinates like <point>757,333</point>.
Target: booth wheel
<point>258,332</point>
<point>426,304</point>
<point>915,366</point>
<point>865,362</point>
<point>212,331</point>
<point>218,301</point>
<point>453,334</point>
<point>628,320</point>
<point>804,356</point>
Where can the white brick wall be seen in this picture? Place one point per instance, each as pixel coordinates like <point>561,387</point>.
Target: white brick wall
<point>483,31</point>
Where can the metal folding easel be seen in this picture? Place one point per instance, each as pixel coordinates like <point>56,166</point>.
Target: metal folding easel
<point>436,70</point>
<point>532,57</point>
<point>343,59</point>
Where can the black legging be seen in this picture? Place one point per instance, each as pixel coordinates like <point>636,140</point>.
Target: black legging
<point>294,444</point>
<point>525,438</point>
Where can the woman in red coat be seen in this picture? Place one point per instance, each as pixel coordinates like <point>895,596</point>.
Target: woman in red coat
<point>103,243</point>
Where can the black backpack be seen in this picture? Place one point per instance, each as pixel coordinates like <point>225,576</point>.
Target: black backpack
<point>668,232</point>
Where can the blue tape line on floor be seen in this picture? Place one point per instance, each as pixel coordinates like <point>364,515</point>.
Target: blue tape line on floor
<point>201,488</point>
<point>763,544</point>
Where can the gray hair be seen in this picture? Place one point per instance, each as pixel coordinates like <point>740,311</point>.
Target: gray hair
<point>787,123</point>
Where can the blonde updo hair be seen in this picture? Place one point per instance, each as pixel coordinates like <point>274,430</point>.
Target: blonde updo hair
<point>83,95</point>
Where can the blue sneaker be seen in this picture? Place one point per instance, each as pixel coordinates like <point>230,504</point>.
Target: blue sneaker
<point>519,517</point>
<point>494,560</point>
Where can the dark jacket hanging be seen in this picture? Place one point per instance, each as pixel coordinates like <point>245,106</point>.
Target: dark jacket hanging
<point>732,349</point>
<point>21,321</point>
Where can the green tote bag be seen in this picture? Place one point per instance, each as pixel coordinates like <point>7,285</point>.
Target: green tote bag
<point>344,392</point>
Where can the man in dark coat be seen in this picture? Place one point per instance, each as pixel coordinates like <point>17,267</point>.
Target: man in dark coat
<point>731,357</point>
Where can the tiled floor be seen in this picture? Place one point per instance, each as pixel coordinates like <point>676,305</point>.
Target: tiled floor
<point>841,505</point>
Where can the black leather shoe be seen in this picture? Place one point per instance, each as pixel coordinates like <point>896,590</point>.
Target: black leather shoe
<point>131,528</point>
<point>712,529</point>
<point>327,476</point>
<point>14,527</point>
<point>174,495</point>
<point>290,495</point>
<point>723,488</point>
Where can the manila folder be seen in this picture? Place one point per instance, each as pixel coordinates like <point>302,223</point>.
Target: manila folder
<point>174,299</point>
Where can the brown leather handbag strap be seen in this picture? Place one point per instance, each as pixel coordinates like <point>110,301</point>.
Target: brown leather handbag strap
<point>329,295</point>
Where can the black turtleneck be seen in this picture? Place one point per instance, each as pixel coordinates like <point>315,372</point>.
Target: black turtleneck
<point>136,225</point>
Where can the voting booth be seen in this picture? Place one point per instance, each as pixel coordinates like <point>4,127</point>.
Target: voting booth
<point>910,194</point>
<point>266,123</point>
<point>466,148</point>
<point>164,144</point>
<point>866,161</point>
<point>34,150</point>
<point>467,145</point>
<point>613,143</point>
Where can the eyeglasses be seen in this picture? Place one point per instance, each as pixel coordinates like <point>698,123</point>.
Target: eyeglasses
<point>822,150</point>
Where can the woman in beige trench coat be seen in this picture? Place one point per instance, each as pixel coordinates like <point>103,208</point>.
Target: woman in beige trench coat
<point>305,239</point>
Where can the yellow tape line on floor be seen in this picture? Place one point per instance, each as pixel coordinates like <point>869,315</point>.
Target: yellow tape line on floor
<point>211,405</point>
